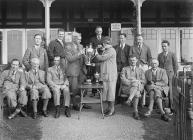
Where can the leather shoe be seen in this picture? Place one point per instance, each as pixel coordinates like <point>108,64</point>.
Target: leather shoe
<point>147,114</point>
<point>85,106</point>
<point>44,113</point>
<point>57,114</point>
<point>106,111</point>
<point>14,114</point>
<point>23,113</point>
<point>67,112</point>
<point>76,107</point>
<point>136,115</point>
<point>34,116</point>
<point>164,117</point>
<point>110,113</point>
<point>128,102</point>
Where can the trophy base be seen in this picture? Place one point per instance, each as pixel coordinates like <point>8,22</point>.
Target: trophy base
<point>88,82</point>
<point>90,64</point>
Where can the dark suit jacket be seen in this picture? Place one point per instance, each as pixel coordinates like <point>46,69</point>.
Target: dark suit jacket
<point>161,80</point>
<point>144,56</point>
<point>170,64</point>
<point>55,49</point>
<point>122,56</point>
<point>95,42</point>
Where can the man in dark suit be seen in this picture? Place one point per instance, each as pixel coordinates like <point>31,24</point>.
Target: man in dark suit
<point>122,50</point>
<point>142,52</point>
<point>56,48</point>
<point>168,61</point>
<point>96,41</point>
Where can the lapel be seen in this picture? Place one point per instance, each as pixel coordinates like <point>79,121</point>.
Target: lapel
<point>60,43</point>
<point>56,72</point>
<point>17,76</point>
<point>31,76</point>
<point>137,72</point>
<point>157,73</point>
<point>150,75</point>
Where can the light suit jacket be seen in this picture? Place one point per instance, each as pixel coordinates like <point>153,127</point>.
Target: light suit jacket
<point>108,64</point>
<point>54,78</point>
<point>31,80</point>
<point>126,76</point>
<point>32,53</point>
<point>161,80</point>
<point>8,81</point>
<point>75,61</point>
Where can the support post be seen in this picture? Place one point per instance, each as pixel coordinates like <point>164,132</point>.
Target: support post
<point>47,5</point>
<point>138,5</point>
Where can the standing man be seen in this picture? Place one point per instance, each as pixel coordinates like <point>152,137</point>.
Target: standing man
<point>36,51</point>
<point>56,48</point>
<point>122,50</point>
<point>157,88</point>
<point>168,61</point>
<point>74,54</point>
<point>58,82</point>
<point>97,40</point>
<point>12,82</point>
<point>108,68</point>
<point>142,52</point>
<point>133,81</point>
<point>36,85</point>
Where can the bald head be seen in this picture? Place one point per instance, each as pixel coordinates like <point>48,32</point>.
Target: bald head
<point>35,62</point>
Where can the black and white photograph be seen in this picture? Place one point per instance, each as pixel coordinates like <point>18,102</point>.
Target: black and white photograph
<point>96,69</point>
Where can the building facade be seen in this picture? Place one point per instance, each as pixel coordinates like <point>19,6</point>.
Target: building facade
<point>161,19</point>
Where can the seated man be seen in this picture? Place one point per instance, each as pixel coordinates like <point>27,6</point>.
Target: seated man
<point>36,84</point>
<point>58,82</point>
<point>12,82</point>
<point>133,80</point>
<point>157,88</point>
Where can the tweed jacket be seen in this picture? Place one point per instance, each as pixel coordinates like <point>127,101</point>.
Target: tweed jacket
<point>161,80</point>
<point>7,80</point>
<point>75,61</point>
<point>31,80</point>
<point>126,76</point>
<point>54,77</point>
<point>108,65</point>
<point>169,63</point>
<point>33,53</point>
<point>122,56</point>
<point>143,55</point>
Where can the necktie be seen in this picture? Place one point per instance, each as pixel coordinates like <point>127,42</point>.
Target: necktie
<point>58,71</point>
<point>98,37</point>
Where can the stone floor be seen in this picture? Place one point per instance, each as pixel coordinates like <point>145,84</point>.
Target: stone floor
<point>91,126</point>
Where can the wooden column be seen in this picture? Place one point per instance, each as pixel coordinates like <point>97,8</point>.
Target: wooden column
<point>47,5</point>
<point>138,4</point>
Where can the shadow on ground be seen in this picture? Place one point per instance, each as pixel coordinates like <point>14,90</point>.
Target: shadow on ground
<point>21,128</point>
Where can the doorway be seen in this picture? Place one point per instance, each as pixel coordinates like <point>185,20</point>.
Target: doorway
<point>88,32</point>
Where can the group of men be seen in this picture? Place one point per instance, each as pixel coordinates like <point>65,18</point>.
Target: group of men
<point>139,73</point>
<point>61,68</point>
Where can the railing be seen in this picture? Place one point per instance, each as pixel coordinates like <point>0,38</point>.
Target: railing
<point>183,101</point>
